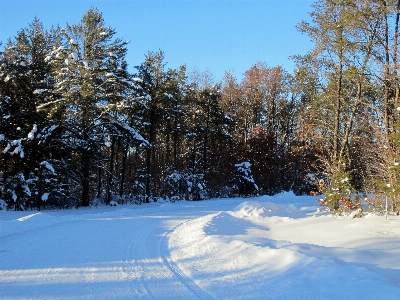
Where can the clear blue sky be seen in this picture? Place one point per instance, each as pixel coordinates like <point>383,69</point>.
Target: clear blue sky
<point>214,34</point>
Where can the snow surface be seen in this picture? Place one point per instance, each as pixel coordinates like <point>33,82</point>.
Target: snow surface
<point>279,247</point>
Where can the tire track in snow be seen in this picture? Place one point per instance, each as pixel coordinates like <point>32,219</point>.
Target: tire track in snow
<point>141,262</point>
<point>157,268</point>
<point>149,270</point>
<point>133,269</point>
<point>163,246</point>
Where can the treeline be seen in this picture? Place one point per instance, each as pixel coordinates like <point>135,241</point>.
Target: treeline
<point>77,128</point>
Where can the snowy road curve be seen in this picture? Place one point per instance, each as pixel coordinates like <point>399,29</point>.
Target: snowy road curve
<point>106,253</point>
<point>270,247</point>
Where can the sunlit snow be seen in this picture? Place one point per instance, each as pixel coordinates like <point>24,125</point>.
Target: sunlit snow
<point>280,247</point>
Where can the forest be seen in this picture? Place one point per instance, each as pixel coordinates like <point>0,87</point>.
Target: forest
<point>78,129</point>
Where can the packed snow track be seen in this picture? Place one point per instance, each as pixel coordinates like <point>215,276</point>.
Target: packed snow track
<point>106,253</point>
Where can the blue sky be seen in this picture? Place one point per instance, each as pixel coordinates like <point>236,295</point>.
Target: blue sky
<point>217,35</point>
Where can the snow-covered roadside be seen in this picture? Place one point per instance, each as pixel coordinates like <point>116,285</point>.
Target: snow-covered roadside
<point>269,249</point>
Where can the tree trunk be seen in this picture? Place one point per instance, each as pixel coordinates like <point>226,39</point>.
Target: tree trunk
<point>395,49</point>
<point>168,145</point>
<point>5,174</point>
<point>388,110</point>
<point>99,184</point>
<point>338,93</point>
<point>338,107</point>
<point>206,137</point>
<point>358,95</point>
<point>123,171</point>
<point>350,125</point>
<point>110,171</point>
<point>150,156</point>
<point>85,167</point>
<point>175,149</point>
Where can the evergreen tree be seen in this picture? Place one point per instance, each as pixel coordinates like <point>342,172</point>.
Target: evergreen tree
<point>209,137</point>
<point>25,83</point>
<point>92,80</point>
<point>344,33</point>
<point>162,91</point>
<point>44,187</point>
<point>244,181</point>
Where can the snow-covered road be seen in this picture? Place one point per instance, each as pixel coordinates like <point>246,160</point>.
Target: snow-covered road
<point>276,247</point>
<point>103,253</point>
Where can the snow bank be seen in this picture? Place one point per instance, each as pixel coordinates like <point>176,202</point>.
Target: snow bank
<point>269,248</point>
<point>262,210</point>
<point>216,245</point>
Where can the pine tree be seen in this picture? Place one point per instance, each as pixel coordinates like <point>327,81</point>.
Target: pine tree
<point>209,137</point>
<point>25,83</point>
<point>92,81</point>
<point>44,187</point>
<point>339,192</point>
<point>244,181</point>
<point>162,91</point>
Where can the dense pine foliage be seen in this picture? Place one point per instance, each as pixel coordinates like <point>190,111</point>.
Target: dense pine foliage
<point>77,128</point>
